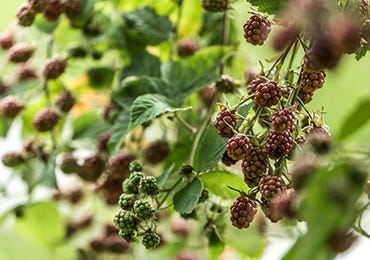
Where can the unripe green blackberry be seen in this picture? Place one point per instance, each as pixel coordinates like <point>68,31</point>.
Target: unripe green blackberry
<point>131,185</point>
<point>73,9</point>
<point>54,67</point>
<point>20,52</point>
<point>38,6</point>
<point>225,122</point>
<point>53,10</point>
<point>254,164</point>
<point>126,201</point>
<point>151,240</point>
<point>227,160</point>
<point>238,146</point>
<point>156,151</point>
<point>125,221</point>
<point>283,120</point>
<point>225,84</point>
<point>148,185</point>
<point>143,209</point>
<point>118,165</point>
<point>12,159</point>
<point>242,212</point>
<point>267,94</point>
<point>279,145</point>
<point>91,169</point>
<point>136,166</point>
<point>26,72</point>
<point>6,41</point>
<point>251,88</point>
<point>45,120</point>
<point>257,29</point>
<point>68,163</point>
<point>25,15</point>
<point>187,47</point>
<point>310,80</point>
<point>270,186</point>
<point>215,5</point>
<point>10,107</point>
<point>129,236</point>
<point>187,171</point>
<point>65,101</point>
<point>203,196</point>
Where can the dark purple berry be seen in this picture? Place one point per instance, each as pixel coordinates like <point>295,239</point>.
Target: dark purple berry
<point>45,120</point>
<point>215,5</point>
<point>267,94</point>
<point>54,67</point>
<point>225,122</point>
<point>156,151</point>
<point>242,212</point>
<point>256,30</point>
<point>238,146</point>
<point>283,120</point>
<point>279,145</point>
<point>270,186</point>
<point>10,107</point>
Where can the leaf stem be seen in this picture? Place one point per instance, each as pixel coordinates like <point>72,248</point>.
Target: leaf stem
<point>182,121</point>
<point>169,192</point>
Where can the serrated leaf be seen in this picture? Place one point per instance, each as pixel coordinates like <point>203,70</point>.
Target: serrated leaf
<point>356,119</point>
<point>119,130</point>
<point>217,182</point>
<point>148,107</point>
<point>185,199</point>
<point>210,149</point>
<point>271,7</point>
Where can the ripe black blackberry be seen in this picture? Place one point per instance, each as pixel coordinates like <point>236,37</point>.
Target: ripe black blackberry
<point>254,164</point>
<point>225,122</point>
<point>68,163</point>
<point>227,160</point>
<point>225,84</point>
<point>25,15</point>
<point>10,107</point>
<point>119,165</point>
<point>53,10</point>
<point>125,221</point>
<point>267,94</point>
<point>6,41</point>
<point>270,186</point>
<point>283,120</point>
<point>312,80</point>
<point>12,159</point>
<point>156,151</point>
<point>54,67</point>
<point>187,47</point>
<point>65,101</point>
<point>73,9</point>
<point>306,97</point>
<point>91,169</point>
<point>151,239</point>
<point>215,5</point>
<point>148,185</point>
<point>131,185</point>
<point>45,120</point>
<point>20,52</point>
<point>26,72</point>
<point>38,6</point>
<point>251,88</point>
<point>242,212</point>
<point>126,201</point>
<point>143,209</point>
<point>238,146</point>
<point>279,145</point>
<point>256,29</point>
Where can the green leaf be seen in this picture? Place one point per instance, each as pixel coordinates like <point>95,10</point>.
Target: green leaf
<point>210,149</point>
<point>119,130</point>
<point>356,119</point>
<point>88,125</point>
<point>4,127</point>
<point>142,64</point>
<point>217,182</point>
<point>100,77</point>
<point>161,180</point>
<point>146,27</point>
<point>45,26</point>
<point>147,107</point>
<point>271,7</point>
<point>43,223</point>
<point>361,52</point>
<point>185,199</point>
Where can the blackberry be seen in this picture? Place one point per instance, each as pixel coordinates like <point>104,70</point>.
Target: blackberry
<point>129,236</point>
<point>131,185</point>
<point>270,186</point>
<point>225,122</point>
<point>38,6</point>
<point>151,239</point>
<point>6,41</point>
<point>91,169</point>
<point>225,84</point>
<point>310,80</point>
<point>73,9</point>
<point>65,101</point>
<point>207,94</point>
<point>283,120</point>
<point>119,165</point>
<point>251,88</point>
<point>69,163</point>
<point>268,211</point>
<point>279,145</point>
<point>115,244</point>
<point>256,29</point>
<point>365,32</point>
<point>102,143</point>
<point>97,244</point>
<point>215,5</point>
<point>143,209</point>
<point>254,164</point>
<point>53,10</point>
<point>110,230</point>
<point>227,160</point>
<point>136,166</point>
<point>10,107</point>
<point>251,182</point>
<point>125,221</point>
<point>187,48</point>
<point>243,211</point>
<point>45,120</point>
<point>320,140</point>
<point>20,52</point>
<point>306,97</point>
<point>148,185</point>
<point>238,146</point>
<point>187,171</point>
<point>284,36</point>
<point>54,67</point>
<point>112,189</point>
<point>126,201</point>
<point>267,94</point>
<point>27,73</point>
<point>156,151</point>
<point>346,33</point>
<point>340,241</point>
<point>283,205</point>
<point>25,15</point>
<point>12,159</point>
